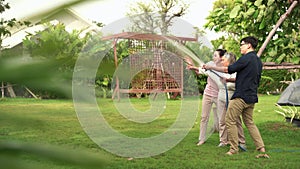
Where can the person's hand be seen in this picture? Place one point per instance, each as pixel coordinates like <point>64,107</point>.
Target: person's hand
<point>206,67</point>
<point>189,61</point>
<point>189,67</point>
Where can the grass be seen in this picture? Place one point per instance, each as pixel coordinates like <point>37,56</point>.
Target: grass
<point>55,122</point>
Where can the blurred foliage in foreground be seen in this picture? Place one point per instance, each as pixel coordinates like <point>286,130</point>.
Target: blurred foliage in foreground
<point>10,152</point>
<point>38,74</point>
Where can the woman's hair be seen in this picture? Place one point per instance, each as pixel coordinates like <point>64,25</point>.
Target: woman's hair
<point>230,57</point>
<point>221,52</point>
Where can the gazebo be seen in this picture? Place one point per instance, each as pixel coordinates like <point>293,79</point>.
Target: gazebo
<point>153,63</point>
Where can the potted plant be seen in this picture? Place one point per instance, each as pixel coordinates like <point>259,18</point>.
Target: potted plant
<point>291,114</point>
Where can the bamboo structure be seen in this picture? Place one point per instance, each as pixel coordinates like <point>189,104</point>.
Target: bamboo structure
<point>152,66</point>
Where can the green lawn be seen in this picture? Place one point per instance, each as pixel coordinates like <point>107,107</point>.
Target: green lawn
<point>54,122</point>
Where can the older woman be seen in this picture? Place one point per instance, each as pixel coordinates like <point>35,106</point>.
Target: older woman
<point>226,90</point>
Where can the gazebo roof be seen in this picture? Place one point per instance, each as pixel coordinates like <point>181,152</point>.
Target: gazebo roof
<point>147,36</point>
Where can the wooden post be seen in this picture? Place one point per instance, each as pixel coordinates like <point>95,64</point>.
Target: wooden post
<point>117,88</point>
<point>2,89</point>
<point>10,90</point>
<point>32,94</point>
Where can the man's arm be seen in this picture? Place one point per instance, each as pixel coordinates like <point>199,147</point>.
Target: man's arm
<point>216,68</point>
<point>191,67</point>
<point>198,70</point>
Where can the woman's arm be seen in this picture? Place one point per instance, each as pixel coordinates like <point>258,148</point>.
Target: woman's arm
<point>230,80</point>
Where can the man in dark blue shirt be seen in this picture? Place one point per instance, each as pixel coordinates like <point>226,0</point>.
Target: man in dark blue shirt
<point>248,68</point>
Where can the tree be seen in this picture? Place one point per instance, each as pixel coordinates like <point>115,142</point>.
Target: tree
<point>36,73</point>
<point>241,18</point>
<point>157,15</point>
<point>5,25</point>
<point>56,43</point>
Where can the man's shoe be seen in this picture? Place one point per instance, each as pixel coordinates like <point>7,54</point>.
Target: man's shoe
<point>243,147</point>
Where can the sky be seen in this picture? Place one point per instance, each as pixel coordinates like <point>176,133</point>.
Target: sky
<point>107,11</point>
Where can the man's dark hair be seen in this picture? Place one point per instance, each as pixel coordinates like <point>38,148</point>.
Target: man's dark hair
<point>251,40</point>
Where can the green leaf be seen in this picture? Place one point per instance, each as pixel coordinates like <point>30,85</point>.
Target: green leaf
<point>220,13</point>
<point>296,60</point>
<point>269,59</point>
<point>234,12</point>
<point>217,29</point>
<point>270,10</point>
<point>258,3</point>
<point>210,25</point>
<point>255,14</point>
<point>260,15</point>
<point>280,58</point>
<point>262,24</point>
<point>273,53</point>
<point>270,2</point>
<point>250,11</point>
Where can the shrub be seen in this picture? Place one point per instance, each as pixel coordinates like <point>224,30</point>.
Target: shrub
<point>272,80</point>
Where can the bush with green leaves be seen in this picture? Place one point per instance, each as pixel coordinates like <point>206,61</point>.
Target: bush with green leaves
<point>55,44</point>
<point>270,81</point>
